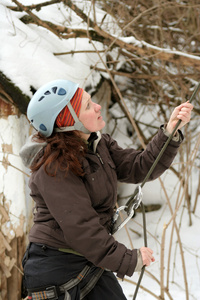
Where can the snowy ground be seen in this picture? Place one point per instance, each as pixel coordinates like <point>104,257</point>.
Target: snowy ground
<point>191,247</point>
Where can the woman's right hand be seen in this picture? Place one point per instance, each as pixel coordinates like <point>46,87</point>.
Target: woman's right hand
<point>147,256</point>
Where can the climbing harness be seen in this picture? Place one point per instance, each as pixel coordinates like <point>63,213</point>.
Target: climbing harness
<point>53,292</point>
<point>136,199</point>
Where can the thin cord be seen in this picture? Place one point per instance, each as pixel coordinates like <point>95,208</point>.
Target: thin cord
<point>145,243</point>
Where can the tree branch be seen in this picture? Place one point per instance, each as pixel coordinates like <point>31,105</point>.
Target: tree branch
<point>144,76</point>
<point>35,18</point>
<point>142,48</point>
<point>37,7</point>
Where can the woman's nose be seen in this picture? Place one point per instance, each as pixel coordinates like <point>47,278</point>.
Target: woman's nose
<point>97,107</point>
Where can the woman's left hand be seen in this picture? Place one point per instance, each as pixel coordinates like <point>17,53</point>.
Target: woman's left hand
<point>181,112</point>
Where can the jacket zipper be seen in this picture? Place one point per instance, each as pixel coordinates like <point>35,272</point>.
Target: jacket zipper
<point>99,158</point>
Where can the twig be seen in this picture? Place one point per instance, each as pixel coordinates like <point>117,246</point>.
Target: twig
<point>142,287</point>
<point>189,165</point>
<point>35,18</point>
<point>136,232</point>
<point>10,165</point>
<point>197,195</point>
<point>144,76</point>
<point>72,52</point>
<point>162,268</point>
<point>34,6</point>
<point>148,232</point>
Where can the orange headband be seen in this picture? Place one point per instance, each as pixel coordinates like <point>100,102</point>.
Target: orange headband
<point>65,118</point>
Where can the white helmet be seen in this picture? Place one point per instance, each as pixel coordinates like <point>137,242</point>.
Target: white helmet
<point>48,102</point>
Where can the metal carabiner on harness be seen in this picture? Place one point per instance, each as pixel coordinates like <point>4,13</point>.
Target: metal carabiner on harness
<point>126,212</point>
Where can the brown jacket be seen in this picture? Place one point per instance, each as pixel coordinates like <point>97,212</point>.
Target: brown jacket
<point>76,213</point>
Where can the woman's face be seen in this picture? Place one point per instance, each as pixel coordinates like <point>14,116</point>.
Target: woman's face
<point>90,114</point>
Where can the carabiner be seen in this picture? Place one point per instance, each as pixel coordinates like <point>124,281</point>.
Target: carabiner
<point>128,209</point>
<point>136,199</point>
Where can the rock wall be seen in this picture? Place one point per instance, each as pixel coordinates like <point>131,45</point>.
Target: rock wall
<point>14,202</point>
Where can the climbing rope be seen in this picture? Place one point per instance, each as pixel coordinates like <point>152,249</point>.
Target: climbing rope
<point>136,199</point>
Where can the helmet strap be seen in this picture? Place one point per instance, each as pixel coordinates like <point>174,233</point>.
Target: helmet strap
<point>78,125</point>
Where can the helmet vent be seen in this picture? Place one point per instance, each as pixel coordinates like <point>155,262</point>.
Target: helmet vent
<point>61,92</point>
<point>47,93</point>
<point>41,98</point>
<point>54,89</point>
<point>43,127</point>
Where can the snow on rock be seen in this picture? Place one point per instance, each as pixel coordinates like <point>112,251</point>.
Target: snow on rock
<point>12,182</point>
<point>27,54</point>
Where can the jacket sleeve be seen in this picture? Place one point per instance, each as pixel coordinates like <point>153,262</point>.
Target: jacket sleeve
<point>132,165</point>
<point>69,203</point>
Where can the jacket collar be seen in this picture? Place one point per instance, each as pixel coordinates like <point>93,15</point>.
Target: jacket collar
<point>93,140</point>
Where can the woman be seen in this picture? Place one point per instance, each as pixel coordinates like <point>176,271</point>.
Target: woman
<point>75,170</point>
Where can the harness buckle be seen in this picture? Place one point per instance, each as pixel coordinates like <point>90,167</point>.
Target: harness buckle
<point>52,293</point>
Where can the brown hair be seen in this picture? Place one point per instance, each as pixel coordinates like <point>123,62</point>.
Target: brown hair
<point>64,151</point>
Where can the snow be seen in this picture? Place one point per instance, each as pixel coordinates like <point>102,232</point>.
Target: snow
<point>191,247</point>
<point>27,58</point>
<point>27,54</point>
